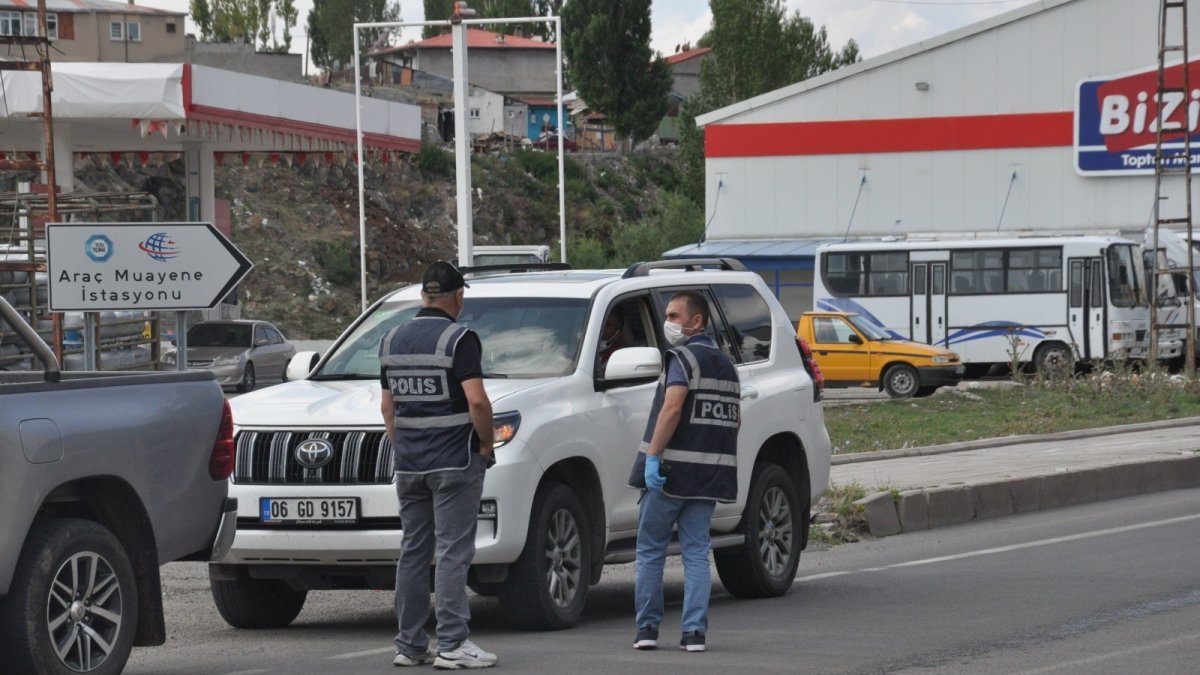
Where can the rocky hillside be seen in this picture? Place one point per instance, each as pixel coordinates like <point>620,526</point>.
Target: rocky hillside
<point>299,224</point>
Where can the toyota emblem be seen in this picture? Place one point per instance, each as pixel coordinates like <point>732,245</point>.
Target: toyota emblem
<point>314,453</point>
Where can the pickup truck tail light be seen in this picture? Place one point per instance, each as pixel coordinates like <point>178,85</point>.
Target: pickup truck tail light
<point>220,464</point>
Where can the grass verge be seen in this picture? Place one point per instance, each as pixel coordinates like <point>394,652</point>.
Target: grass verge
<point>1038,407</point>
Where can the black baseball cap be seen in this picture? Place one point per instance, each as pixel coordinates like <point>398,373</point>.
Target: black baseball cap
<point>442,277</point>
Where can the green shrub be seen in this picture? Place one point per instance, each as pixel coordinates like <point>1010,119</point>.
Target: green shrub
<point>540,165</point>
<point>587,253</point>
<point>340,261</point>
<point>434,161</point>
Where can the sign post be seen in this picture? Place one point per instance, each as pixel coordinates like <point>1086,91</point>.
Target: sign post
<point>140,266</point>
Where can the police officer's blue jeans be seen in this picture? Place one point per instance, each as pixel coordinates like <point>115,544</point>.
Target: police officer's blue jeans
<point>439,511</point>
<point>659,513</point>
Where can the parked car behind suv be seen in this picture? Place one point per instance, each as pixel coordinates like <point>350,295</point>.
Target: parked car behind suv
<point>241,353</point>
<point>569,415</point>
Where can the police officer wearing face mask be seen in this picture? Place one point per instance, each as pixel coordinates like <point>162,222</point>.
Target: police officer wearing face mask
<point>686,464</point>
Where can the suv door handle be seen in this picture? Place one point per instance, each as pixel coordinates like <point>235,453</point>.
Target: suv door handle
<point>749,393</point>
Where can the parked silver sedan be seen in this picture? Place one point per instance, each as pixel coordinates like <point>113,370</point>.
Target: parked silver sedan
<point>241,353</point>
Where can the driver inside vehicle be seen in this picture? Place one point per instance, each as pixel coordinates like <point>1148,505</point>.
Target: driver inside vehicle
<point>612,337</point>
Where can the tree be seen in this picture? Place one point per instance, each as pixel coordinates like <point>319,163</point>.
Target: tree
<point>437,10</point>
<point>607,45</point>
<point>546,8</point>
<point>499,9</point>
<point>202,15</point>
<point>757,48</point>
<point>248,21</point>
<point>331,24</point>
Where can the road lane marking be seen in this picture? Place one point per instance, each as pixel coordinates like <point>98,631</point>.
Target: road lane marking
<point>357,655</point>
<point>248,672</point>
<point>1132,651</point>
<point>1006,549</point>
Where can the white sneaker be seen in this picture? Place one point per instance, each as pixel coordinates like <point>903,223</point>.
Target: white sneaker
<point>404,660</point>
<point>468,655</point>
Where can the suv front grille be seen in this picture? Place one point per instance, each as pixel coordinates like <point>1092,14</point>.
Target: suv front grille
<point>269,458</point>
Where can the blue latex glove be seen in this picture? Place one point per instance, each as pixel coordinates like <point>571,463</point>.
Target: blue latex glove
<point>654,480</point>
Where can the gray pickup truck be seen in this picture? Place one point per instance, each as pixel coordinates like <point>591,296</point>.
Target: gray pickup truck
<point>103,477</point>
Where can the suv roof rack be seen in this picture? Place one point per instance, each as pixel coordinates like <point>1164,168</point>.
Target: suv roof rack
<point>687,264</point>
<point>514,268</point>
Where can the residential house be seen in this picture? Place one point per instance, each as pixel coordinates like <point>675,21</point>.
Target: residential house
<point>506,64</point>
<point>513,80</point>
<point>685,72</point>
<point>98,30</point>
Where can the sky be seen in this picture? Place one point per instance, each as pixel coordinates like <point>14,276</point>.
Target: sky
<point>879,26</point>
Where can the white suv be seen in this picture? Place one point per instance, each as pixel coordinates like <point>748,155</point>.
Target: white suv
<point>318,505</point>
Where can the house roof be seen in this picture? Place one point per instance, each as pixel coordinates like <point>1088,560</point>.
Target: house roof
<point>88,7</point>
<point>687,56</point>
<point>846,72</point>
<point>537,100</point>
<point>476,39</point>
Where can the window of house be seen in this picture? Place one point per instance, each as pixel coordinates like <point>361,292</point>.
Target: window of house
<point>171,28</point>
<point>10,23</point>
<point>30,24</point>
<point>116,31</point>
<point>474,113</point>
<point>134,30</point>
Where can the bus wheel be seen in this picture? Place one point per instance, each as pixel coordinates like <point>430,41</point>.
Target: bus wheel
<point>901,381</point>
<point>1054,359</point>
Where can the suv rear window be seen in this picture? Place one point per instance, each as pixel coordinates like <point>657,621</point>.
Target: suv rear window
<point>749,320</point>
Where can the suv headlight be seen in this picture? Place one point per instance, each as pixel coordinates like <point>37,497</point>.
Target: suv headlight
<point>227,360</point>
<point>504,428</point>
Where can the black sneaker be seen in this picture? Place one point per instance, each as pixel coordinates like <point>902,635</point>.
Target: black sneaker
<point>647,638</point>
<point>692,641</point>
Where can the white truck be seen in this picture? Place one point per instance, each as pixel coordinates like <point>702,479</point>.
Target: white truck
<point>314,480</point>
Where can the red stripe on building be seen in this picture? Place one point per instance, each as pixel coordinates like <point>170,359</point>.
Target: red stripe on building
<point>918,134</point>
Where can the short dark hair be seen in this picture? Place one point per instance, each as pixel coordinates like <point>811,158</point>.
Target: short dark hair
<point>696,304</point>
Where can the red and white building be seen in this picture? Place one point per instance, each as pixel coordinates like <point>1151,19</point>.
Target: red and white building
<point>1037,119</point>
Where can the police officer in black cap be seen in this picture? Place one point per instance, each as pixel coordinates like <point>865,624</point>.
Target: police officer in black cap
<point>439,419</point>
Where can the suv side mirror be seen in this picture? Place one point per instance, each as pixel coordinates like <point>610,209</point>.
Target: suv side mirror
<point>855,339</point>
<point>633,363</point>
<point>301,365</point>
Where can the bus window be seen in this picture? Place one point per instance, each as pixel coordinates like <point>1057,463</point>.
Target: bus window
<point>977,271</point>
<point>844,273</point>
<point>888,273</point>
<point>1122,280</point>
<point>1076,283</point>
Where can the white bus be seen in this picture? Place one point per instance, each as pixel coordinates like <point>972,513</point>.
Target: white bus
<point>1059,299</point>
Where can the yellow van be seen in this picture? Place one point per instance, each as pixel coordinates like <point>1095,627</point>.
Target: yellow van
<point>855,352</point>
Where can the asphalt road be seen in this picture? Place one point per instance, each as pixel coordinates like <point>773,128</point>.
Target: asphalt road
<point>1112,587</point>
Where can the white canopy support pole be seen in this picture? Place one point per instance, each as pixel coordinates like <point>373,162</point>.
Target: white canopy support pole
<point>562,129</point>
<point>462,146</point>
<point>362,201</point>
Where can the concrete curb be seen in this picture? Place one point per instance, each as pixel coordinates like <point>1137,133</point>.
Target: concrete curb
<point>1010,440</point>
<point>930,508</point>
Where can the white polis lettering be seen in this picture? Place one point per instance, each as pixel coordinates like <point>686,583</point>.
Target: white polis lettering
<point>716,410</point>
<point>415,386</point>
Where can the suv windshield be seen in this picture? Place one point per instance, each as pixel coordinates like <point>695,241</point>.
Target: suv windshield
<point>521,337</point>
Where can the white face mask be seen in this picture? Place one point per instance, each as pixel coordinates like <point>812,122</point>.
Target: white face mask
<point>674,333</point>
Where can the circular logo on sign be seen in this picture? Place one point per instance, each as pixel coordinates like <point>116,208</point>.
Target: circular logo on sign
<point>98,247</point>
<point>159,246</point>
<point>314,453</point>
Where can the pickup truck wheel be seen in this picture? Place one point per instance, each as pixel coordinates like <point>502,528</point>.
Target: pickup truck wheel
<point>548,585</point>
<point>764,566</point>
<point>72,607</point>
<point>248,379</point>
<point>901,381</point>
<point>256,603</point>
